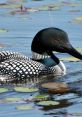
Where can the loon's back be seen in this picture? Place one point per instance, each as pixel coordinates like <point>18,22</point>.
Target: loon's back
<point>17,67</point>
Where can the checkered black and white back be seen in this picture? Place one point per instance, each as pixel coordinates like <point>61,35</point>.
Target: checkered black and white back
<point>15,66</point>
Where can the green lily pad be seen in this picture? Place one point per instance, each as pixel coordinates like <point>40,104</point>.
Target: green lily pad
<point>75,4</point>
<point>71,59</point>
<point>3,30</point>
<point>12,99</point>
<point>50,7</point>
<point>15,1</point>
<point>24,107</point>
<point>74,11</point>
<point>3,90</point>
<point>25,89</point>
<point>76,114</point>
<point>78,19</point>
<point>79,49</point>
<point>41,97</point>
<point>48,103</point>
<point>10,6</point>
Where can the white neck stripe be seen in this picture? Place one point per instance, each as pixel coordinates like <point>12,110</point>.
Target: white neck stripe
<point>37,56</point>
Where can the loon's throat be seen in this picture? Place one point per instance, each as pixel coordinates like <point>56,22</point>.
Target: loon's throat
<point>44,59</point>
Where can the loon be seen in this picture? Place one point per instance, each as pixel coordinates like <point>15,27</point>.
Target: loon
<point>17,67</point>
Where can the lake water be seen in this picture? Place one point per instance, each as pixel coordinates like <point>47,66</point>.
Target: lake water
<point>21,29</point>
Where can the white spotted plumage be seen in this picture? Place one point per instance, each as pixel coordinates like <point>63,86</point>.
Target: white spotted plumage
<point>17,66</point>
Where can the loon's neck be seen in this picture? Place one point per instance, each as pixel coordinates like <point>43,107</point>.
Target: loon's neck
<point>44,59</point>
<point>48,61</point>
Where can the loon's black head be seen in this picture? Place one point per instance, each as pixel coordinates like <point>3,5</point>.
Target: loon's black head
<point>53,39</point>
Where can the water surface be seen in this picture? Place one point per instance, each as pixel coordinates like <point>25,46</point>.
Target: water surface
<point>21,30</point>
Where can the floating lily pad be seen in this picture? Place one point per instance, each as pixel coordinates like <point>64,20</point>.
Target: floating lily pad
<point>3,30</point>
<point>9,6</point>
<point>15,1</point>
<point>3,90</point>
<point>49,7</point>
<point>55,87</point>
<point>78,20</point>
<point>41,97</point>
<point>24,107</point>
<point>74,11</point>
<point>37,98</point>
<point>79,49</point>
<point>25,89</point>
<point>71,59</point>
<point>48,103</point>
<point>12,99</point>
<point>75,4</point>
<point>76,114</point>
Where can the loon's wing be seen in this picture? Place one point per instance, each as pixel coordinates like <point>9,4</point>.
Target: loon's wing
<point>18,68</point>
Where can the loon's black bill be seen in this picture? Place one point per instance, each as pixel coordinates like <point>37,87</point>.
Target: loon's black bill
<point>72,51</point>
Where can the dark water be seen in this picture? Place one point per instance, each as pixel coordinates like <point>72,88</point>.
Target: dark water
<point>21,29</point>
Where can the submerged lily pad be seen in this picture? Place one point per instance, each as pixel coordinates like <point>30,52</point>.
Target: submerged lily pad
<point>25,89</point>
<point>55,87</point>
<point>48,103</point>
<point>12,99</point>
<point>2,45</point>
<point>24,107</point>
<point>71,59</point>
<point>3,90</point>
